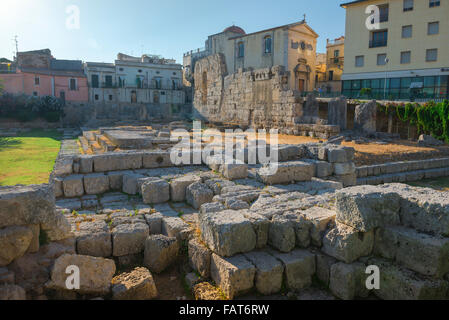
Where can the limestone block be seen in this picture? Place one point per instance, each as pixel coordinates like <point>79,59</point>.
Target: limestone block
<point>156,159</point>
<point>135,285</point>
<point>367,207</point>
<point>160,252</point>
<point>281,235</point>
<point>261,226</point>
<point>227,233</point>
<point>73,186</point>
<point>34,244</point>
<point>86,164</point>
<point>129,238</point>
<point>117,162</point>
<point>96,183</point>
<point>416,251</point>
<point>286,172</point>
<point>116,179</point>
<point>155,191</point>
<point>234,275</point>
<point>365,117</point>
<point>212,207</point>
<point>234,171</point>
<point>94,239</point>
<point>347,281</point>
<point>344,168</point>
<point>130,183</point>
<point>347,244</point>
<point>12,292</point>
<point>175,227</point>
<point>323,267</point>
<point>178,187</point>
<point>320,219</point>
<point>299,267</point>
<point>96,274</point>
<point>401,284</point>
<point>199,257</point>
<point>57,185</point>
<point>6,276</point>
<point>154,221</point>
<point>197,194</point>
<point>14,242</point>
<point>269,272</point>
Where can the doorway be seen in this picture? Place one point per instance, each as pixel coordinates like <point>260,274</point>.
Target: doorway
<point>301,85</point>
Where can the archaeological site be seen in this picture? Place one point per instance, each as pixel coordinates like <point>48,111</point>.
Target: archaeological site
<point>258,170</point>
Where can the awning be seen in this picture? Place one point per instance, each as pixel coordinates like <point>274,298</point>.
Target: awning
<point>416,85</point>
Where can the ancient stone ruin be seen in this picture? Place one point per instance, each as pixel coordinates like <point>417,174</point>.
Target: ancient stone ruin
<point>240,229</point>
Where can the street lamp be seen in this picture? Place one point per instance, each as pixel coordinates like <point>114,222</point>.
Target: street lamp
<point>386,71</point>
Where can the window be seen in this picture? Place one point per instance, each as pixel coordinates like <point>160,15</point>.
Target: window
<point>381,59</point>
<point>95,81</point>
<point>434,3</point>
<point>408,5</point>
<point>407,31</point>
<point>158,83</point>
<point>35,93</point>
<point>379,39</point>
<point>72,84</point>
<point>96,97</point>
<point>433,28</point>
<point>406,57</point>
<point>110,97</point>
<point>267,44</point>
<point>240,50</point>
<point>37,81</point>
<point>336,53</point>
<point>359,61</point>
<point>108,81</point>
<point>431,55</point>
<point>331,75</point>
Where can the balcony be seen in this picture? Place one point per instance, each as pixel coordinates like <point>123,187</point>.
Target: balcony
<point>378,43</point>
<point>336,61</point>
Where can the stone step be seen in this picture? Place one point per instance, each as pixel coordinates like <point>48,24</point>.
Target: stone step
<point>409,176</point>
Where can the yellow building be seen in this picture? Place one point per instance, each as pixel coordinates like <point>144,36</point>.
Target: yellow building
<point>292,46</point>
<point>402,41</point>
<point>329,79</point>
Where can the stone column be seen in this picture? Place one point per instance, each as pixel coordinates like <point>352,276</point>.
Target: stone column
<point>365,117</point>
<point>338,112</point>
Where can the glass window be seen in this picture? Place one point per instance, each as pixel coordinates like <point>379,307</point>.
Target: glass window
<point>359,61</point>
<point>381,59</point>
<point>366,83</point>
<point>336,53</point>
<point>395,83</point>
<point>356,84</point>
<point>379,39</point>
<point>433,28</point>
<point>267,45</point>
<point>405,83</point>
<point>407,31</point>
<point>405,57</point>
<point>241,50</point>
<point>375,84</point>
<point>37,81</point>
<point>434,3</point>
<point>346,85</point>
<point>408,5</point>
<point>72,84</point>
<point>429,81</point>
<point>431,55</point>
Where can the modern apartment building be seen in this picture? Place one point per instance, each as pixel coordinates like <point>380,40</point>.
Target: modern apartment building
<point>402,54</point>
<point>146,79</point>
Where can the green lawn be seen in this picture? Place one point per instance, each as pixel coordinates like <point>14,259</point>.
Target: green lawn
<point>441,184</point>
<point>28,158</point>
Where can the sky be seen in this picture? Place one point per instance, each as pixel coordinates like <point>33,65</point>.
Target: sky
<point>165,27</point>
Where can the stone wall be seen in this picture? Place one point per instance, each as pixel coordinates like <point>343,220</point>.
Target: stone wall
<point>88,114</point>
<point>257,98</point>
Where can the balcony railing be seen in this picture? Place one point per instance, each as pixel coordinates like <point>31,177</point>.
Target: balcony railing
<point>336,61</point>
<point>378,43</point>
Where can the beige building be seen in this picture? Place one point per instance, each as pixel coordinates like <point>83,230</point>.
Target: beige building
<point>408,47</point>
<point>329,79</point>
<point>292,46</point>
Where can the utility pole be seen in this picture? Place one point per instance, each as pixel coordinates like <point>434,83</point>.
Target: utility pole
<point>386,76</point>
<point>16,42</point>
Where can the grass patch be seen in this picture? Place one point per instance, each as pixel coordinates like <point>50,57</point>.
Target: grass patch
<point>28,158</point>
<point>441,184</point>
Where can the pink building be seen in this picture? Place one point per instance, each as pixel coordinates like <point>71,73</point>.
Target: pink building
<point>39,74</point>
